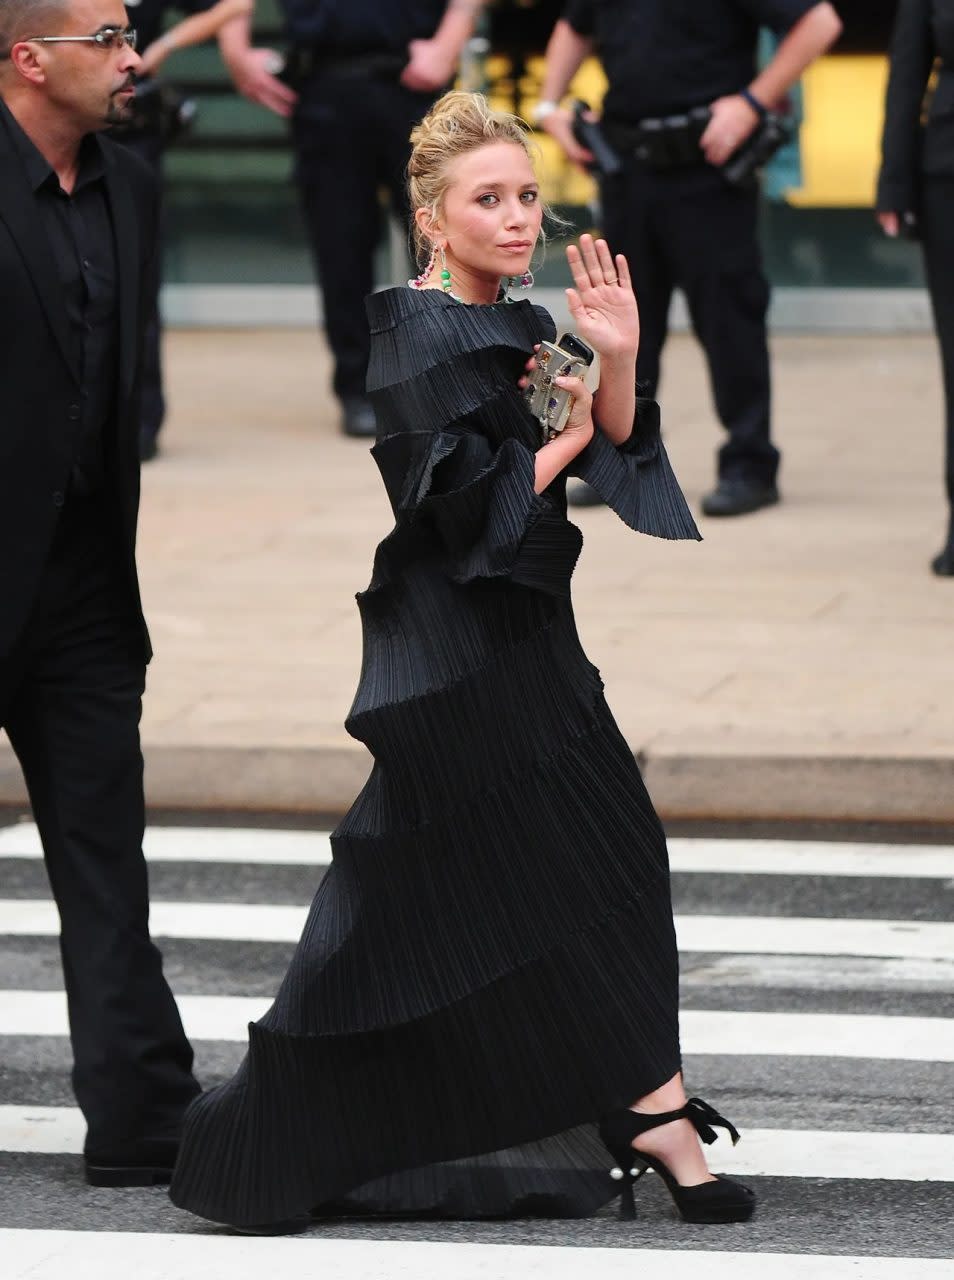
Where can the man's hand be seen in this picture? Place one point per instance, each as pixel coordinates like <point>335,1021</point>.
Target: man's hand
<point>253,73</point>
<point>733,122</point>
<point>559,124</point>
<point>431,66</point>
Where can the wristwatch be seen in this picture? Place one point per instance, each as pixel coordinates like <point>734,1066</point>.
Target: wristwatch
<point>545,107</point>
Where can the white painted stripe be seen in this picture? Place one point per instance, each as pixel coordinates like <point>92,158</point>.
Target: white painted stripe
<point>807,1153</point>
<point>725,935</point>
<point>812,858</point>
<point>102,1255</point>
<point>818,1035</point>
<point>750,857</point>
<point>43,1013</point>
<point>775,1153</point>
<point>817,973</point>
<point>791,936</point>
<point>218,921</point>
<point>42,1131</point>
<point>199,844</point>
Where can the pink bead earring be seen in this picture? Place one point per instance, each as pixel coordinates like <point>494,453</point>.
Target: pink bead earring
<point>420,281</point>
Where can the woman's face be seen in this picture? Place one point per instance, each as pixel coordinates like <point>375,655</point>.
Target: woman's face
<point>492,213</point>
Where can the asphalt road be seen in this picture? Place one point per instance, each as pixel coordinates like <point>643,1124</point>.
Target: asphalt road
<point>845,1097</point>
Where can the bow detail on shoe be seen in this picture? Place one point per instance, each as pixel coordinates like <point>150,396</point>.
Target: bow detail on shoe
<point>703,1118</point>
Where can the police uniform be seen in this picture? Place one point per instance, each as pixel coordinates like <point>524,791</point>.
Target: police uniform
<point>146,16</point>
<point>686,226</point>
<point>351,130</point>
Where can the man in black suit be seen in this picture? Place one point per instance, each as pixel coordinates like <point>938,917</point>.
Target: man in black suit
<point>916,186</point>
<point>77,243</point>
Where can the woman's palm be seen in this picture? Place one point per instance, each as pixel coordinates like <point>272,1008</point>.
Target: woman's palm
<point>602,302</point>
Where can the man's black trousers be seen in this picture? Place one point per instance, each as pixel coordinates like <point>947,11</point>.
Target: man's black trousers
<point>689,228</point>
<point>70,701</point>
<point>937,217</point>
<point>351,137</point>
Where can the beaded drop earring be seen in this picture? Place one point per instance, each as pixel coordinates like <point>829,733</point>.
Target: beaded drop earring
<point>445,273</point>
<point>420,281</point>
<point>525,282</point>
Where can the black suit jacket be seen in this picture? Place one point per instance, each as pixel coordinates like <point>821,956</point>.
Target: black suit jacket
<point>923,36</point>
<point>39,385</point>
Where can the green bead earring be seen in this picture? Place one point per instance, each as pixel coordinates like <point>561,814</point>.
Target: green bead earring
<point>445,273</point>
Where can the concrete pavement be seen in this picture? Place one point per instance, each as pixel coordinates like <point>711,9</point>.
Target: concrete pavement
<point>796,664</point>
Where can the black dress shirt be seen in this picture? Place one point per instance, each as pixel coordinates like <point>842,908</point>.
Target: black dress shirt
<point>667,56</point>
<point>80,234</point>
<point>349,27</point>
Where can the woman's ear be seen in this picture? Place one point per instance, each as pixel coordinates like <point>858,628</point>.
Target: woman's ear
<point>427,225</point>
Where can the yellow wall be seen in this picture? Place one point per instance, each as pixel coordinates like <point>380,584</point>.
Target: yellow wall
<point>840,137</point>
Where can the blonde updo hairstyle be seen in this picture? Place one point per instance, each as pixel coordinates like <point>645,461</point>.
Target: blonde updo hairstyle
<point>456,124</point>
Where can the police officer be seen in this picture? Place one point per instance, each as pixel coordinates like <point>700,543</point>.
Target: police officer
<point>670,210</point>
<point>361,74</point>
<point>146,140</point>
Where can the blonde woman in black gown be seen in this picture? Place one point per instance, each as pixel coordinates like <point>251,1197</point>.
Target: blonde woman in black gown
<point>484,998</point>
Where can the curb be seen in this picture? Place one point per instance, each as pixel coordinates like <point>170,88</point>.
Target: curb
<point>324,780</point>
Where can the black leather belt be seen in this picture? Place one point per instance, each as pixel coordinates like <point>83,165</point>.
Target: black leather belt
<point>305,61</point>
<point>664,142</point>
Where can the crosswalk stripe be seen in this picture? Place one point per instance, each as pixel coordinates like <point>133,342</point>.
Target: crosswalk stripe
<point>726,935</point>
<point>811,858</point>
<point>816,973</point>
<point>811,1035</point>
<point>199,844</point>
<point>775,1153</point>
<point>716,856</point>
<point>90,1255</point>
<point>828,936</point>
<point>220,921</point>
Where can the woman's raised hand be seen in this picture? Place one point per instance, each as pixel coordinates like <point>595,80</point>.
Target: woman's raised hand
<point>602,303</point>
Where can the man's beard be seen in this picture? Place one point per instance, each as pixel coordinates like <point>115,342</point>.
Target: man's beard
<point>119,110</point>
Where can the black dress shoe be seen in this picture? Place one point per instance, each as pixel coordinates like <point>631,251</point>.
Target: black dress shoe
<point>582,494</point>
<point>147,1164</point>
<point>737,497</point>
<point>943,563</point>
<point>357,417</point>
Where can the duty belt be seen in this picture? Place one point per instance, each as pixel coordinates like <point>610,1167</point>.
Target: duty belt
<point>666,142</point>
<point>304,61</point>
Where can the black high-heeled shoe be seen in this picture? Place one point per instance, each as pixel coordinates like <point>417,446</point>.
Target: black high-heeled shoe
<point>723,1200</point>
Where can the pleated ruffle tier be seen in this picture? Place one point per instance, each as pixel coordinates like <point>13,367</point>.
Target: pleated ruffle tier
<point>490,963</point>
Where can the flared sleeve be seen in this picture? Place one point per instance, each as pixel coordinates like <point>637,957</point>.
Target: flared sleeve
<point>456,442</point>
<point>636,478</point>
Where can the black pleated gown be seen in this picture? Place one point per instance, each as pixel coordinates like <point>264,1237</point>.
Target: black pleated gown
<point>490,963</point>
